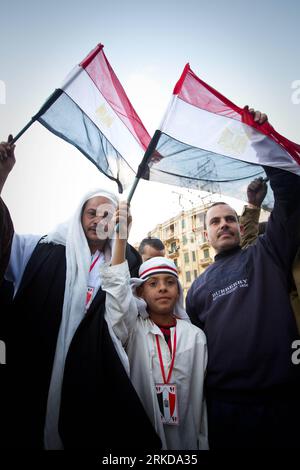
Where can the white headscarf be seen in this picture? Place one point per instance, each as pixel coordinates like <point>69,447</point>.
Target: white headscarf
<point>157,265</point>
<point>78,259</point>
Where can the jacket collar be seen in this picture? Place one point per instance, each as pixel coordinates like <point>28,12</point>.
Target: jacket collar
<point>226,253</point>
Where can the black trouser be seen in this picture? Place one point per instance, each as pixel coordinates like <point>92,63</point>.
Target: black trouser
<point>239,421</point>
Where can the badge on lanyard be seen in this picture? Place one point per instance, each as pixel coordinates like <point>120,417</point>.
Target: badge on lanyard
<point>167,392</point>
<point>90,290</point>
<point>89,296</point>
<point>167,401</point>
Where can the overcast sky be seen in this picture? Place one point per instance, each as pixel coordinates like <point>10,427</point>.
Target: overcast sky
<point>249,51</point>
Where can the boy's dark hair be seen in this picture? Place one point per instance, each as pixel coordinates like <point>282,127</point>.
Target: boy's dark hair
<point>153,242</point>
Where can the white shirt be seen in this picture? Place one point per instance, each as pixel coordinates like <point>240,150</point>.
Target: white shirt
<point>138,337</point>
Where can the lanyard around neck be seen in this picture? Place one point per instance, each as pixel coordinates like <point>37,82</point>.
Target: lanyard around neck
<point>161,361</point>
<point>94,262</point>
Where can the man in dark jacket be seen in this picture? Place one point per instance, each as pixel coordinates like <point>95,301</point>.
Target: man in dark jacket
<point>242,303</point>
<point>68,384</point>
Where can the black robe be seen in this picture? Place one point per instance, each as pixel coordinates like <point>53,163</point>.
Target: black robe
<point>99,406</point>
<point>6,235</point>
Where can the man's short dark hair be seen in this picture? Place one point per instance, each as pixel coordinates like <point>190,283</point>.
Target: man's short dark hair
<point>221,203</point>
<point>155,243</point>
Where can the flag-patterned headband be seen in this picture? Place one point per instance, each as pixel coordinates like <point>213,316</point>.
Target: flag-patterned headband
<point>157,265</point>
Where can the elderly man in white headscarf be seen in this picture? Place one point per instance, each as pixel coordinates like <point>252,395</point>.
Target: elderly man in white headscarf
<point>68,375</point>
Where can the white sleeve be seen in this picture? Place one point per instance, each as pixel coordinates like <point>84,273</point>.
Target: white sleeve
<point>21,250</point>
<point>203,434</point>
<point>120,305</point>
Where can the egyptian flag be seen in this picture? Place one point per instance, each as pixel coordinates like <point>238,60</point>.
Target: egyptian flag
<point>92,112</point>
<point>208,143</point>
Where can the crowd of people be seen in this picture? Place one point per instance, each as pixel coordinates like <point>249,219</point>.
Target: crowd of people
<point>113,358</point>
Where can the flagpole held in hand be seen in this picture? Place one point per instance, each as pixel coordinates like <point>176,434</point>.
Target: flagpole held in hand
<point>52,98</point>
<point>143,165</point>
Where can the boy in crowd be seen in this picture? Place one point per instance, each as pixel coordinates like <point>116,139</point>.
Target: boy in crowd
<point>167,354</point>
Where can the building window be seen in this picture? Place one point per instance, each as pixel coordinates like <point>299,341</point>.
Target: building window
<point>195,274</point>
<point>193,255</point>
<point>182,223</point>
<point>206,253</point>
<point>201,218</point>
<point>184,240</point>
<point>170,231</point>
<point>173,247</point>
<point>188,276</point>
<point>198,220</point>
<point>202,238</point>
<point>186,258</point>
